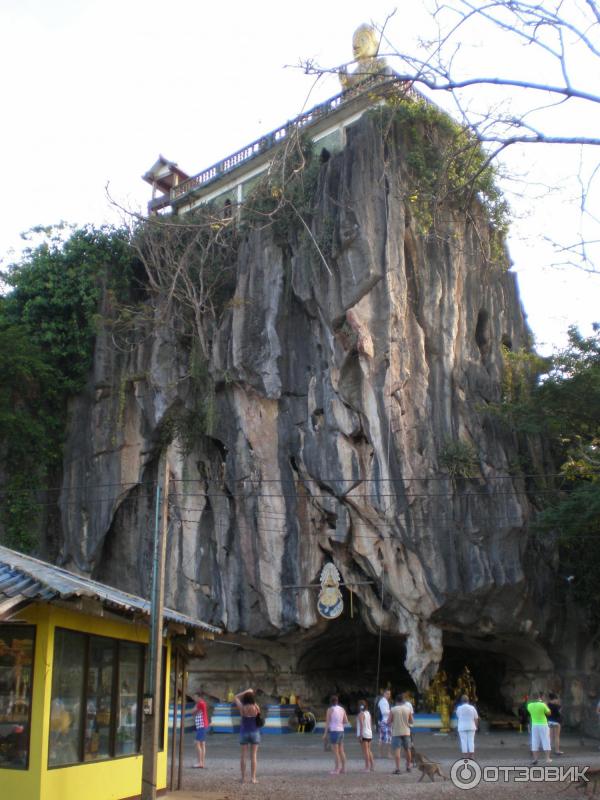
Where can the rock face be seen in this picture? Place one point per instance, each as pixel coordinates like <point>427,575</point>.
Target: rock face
<point>341,389</point>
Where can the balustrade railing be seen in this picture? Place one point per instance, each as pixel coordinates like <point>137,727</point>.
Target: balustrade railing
<point>250,151</point>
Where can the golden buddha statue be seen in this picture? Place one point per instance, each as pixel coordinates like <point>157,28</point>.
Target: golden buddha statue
<point>466,685</point>
<point>437,697</point>
<point>444,710</point>
<point>365,46</point>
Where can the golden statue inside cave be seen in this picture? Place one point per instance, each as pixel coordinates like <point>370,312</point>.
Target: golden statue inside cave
<point>365,46</point>
<point>437,699</point>
<point>466,685</point>
<point>437,694</point>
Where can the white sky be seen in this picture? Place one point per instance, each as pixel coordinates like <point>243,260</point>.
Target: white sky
<point>94,90</point>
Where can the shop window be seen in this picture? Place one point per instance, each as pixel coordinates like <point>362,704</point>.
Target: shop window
<point>67,697</point>
<point>99,698</point>
<point>97,686</point>
<point>130,681</point>
<point>16,676</point>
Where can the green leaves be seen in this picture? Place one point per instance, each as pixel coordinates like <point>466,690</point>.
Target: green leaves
<point>447,165</point>
<point>56,289</point>
<point>562,402</point>
<point>47,329</point>
<point>459,458</point>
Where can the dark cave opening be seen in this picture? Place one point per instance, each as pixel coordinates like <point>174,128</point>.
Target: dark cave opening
<point>487,668</point>
<point>344,660</point>
<point>344,657</point>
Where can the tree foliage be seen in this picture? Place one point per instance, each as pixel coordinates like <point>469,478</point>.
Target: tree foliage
<point>446,164</point>
<point>47,328</point>
<point>563,404</point>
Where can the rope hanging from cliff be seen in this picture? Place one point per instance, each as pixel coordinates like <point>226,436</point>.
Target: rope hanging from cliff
<point>377,687</point>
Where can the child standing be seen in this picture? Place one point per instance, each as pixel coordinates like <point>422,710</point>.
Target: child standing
<point>201,722</point>
<point>364,731</point>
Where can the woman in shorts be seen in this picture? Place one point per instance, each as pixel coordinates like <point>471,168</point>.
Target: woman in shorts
<point>249,731</point>
<point>554,723</point>
<point>364,731</point>
<point>335,721</point>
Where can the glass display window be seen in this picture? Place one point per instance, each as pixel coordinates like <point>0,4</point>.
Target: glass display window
<point>96,703</point>
<point>17,646</point>
<point>101,671</point>
<point>67,697</point>
<point>128,729</point>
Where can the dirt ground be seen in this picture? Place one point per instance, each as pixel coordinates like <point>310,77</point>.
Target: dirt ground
<point>296,767</point>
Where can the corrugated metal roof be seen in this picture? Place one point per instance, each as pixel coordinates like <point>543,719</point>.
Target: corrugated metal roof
<point>22,575</point>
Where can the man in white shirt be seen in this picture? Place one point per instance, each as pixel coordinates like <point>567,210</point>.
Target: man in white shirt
<point>385,728</point>
<point>468,722</point>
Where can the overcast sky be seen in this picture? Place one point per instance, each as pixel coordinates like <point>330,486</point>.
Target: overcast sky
<point>94,90</point>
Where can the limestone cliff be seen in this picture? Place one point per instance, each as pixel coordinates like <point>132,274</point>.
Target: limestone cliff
<point>340,391</point>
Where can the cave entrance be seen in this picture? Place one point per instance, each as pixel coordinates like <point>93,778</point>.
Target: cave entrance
<point>488,670</point>
<point>498,666</point>
<point>343,659</point>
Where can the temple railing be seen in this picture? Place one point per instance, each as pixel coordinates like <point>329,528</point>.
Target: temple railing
<point>382,84</point>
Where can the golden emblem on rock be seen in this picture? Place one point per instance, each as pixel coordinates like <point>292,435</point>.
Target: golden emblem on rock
<point>330,603</point>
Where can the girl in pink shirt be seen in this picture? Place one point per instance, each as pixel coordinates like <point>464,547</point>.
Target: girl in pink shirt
<point>335,721</point>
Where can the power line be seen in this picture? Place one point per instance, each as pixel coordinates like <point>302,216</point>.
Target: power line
<point>347,497</point>
<point>337,479</point>
<point>433,529</point>
<point>301,480</point>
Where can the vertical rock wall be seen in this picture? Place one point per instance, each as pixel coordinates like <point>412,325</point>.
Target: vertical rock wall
<point>338,388</point>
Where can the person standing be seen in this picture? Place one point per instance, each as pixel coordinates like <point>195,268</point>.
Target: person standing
<point>554,723</point>
<point>468,723</point>
<point>201,723</point>
<point>540,732</point>
<point>385,730</point>
<point>335,721</point>
<point>400,719</point>
<point>364,731</point>
<point>249,731</point>
<point>524,720</point>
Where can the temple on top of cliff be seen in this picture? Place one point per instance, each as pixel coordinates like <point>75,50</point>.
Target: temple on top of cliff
<point>229,181</point>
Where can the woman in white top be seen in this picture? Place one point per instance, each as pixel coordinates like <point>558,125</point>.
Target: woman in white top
<point>335,721</point>
<point>364,731</point>
<point>468,722</point>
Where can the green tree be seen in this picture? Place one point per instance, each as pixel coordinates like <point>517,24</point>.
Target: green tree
<point>47,330</point>
<point>564,406</point>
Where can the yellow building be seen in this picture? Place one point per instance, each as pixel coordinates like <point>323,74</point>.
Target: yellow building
<point>72,654</point>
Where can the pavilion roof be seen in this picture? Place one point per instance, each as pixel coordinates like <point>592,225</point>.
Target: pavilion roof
<point>24,579</point>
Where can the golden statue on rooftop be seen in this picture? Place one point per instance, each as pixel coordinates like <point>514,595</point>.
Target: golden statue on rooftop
<point>365,46</point>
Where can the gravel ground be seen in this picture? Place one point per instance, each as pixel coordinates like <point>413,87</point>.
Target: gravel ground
<point>295,767</point>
